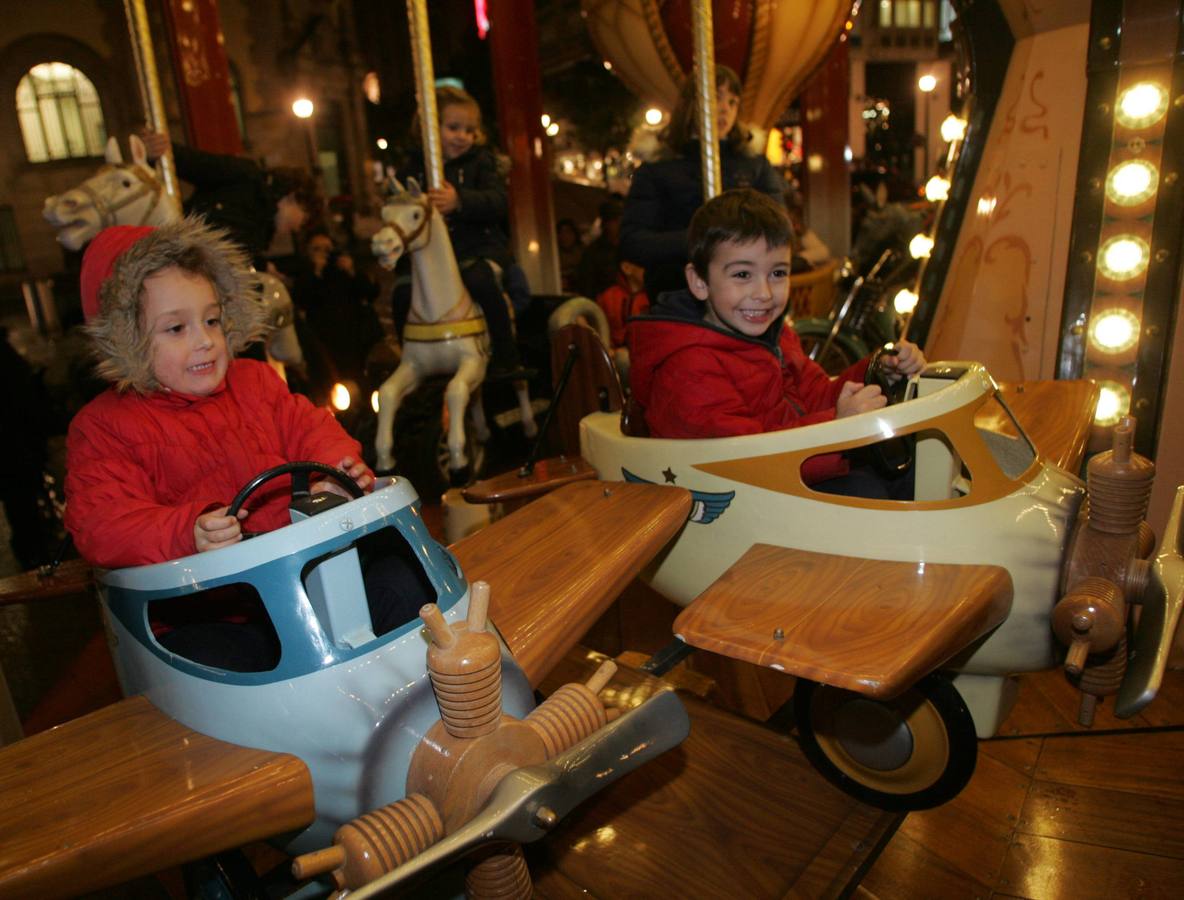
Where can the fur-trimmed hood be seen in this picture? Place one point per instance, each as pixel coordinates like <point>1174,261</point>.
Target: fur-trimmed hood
<point>121,346</point>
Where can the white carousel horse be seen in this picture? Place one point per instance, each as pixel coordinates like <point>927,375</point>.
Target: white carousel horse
<point>445,331</point>
<point>118,194</point>
<point>131,194</point>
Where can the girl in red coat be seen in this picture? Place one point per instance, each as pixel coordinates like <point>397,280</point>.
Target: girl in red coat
<point>152,463</point>
<point>716,360</point>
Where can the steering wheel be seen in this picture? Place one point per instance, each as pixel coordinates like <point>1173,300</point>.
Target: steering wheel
<point>300,488</point>
<point>893,457</point>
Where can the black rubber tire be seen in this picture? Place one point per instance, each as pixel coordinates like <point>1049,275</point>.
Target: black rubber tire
<point>930,760</point>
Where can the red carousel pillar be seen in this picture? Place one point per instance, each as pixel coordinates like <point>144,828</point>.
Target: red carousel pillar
<point>826,180</point>
<point>514,51</point>
<point>202,75</point>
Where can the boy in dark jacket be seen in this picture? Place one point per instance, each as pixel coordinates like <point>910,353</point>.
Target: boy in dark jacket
<point>716,360</point>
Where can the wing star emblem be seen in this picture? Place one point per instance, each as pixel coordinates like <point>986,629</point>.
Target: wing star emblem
<point>706,506</point>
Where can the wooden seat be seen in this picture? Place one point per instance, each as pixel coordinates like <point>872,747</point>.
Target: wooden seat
<point>813,293</point>
<point>866,625</point>
<point>1056,415</point>
<point>156,793</point>
<point>608,531</point>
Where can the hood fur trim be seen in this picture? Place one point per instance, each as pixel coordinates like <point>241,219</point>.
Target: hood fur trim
<point>122,348</point>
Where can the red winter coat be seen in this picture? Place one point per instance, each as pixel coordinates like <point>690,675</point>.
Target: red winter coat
<point>140,468</point>
<point>694,380</point>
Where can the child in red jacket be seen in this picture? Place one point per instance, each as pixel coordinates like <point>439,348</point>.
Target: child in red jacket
<point>716,360</point>
<point>152,463</point>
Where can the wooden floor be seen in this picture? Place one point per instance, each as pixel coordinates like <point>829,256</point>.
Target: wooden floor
<point>1054,810</point>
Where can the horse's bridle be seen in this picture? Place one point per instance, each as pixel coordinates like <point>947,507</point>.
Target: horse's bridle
<point>425,224</point>
<point>149,186</point>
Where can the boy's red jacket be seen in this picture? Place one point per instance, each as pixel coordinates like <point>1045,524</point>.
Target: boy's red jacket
<point>140,468</point>
<point>694,380</point>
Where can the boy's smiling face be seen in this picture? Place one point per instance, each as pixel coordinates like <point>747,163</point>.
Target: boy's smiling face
<point>747,286</point>
<point>181,313</point>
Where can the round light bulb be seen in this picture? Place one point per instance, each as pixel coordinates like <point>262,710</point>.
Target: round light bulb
<point>339,397</point>
<point>905,301</point>
<point>953,128</point>
<point>1130,183</point>
<point>1141,105</point>
<point>302,108</point>
<point>381,143</point>
<point>920,246</point>
<point>553,129</point>
<point>546,120</point>
<point>653,116</point>
<point>1114,330</point>
<point>1114,402</point>
<point>374,401</point>
<point>927,84</point>
<point>1123,256</point>
<point>937,189</point>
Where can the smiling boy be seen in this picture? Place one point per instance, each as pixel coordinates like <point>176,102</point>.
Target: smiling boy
<point>717,359</point>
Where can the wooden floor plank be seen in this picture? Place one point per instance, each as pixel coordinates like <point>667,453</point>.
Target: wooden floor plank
<point>1043,868</point>
<point>909,869</point>
<point>973,832</point>
<point>1048,704</point>
<point>1117,819</point>
<point>1018,753</point>
<point>1147,762</point>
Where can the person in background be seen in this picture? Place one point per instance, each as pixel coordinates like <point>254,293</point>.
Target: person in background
<point>571,248</point>
<point>473,202</point>
<point>666,192</point>
<point>623,300</point>
<point>598,268</point>
<point>336,303</point>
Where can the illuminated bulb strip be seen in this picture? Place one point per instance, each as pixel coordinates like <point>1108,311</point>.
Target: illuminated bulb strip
<point>953,128</point>
<point>1114,402</point>
<point>920,246</point>
<point>1130,183</point>
<point>1124,256</point>
<point>905,301</point>
<point>1141,105</point>
<point>1114,330</point>
<point>937,189</point>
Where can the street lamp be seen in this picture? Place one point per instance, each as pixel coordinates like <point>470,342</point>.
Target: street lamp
<point>303,108</point>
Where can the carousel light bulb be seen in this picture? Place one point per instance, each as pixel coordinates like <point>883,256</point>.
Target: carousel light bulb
<point>953,128</point>
<point>302,108</point>
<point>905,301</point>
<point>920,246</point>
<point>339,397</point>
<point>937,189</point>
<point>381,143</point>
<point>374,401</point>
<point>546,120</point>
<point>1130,183</point>
<point>1114,402</point>
<point>553,129</point>
<point>1123,256</point>
<point>608,66</point>
<point>1114,331</point>
<point>653,116</point>
<point>926,84</point>
<point>1141,105</point>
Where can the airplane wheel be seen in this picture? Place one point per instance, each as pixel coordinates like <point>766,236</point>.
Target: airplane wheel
<point>915,751</point>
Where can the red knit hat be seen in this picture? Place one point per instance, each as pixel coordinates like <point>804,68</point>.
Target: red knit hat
<point>99,261</point>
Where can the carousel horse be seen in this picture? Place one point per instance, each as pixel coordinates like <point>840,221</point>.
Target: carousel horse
<point>445,332</point>
<point>131,194</point>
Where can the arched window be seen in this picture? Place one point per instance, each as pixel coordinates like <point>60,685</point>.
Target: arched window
<point>59,112</point>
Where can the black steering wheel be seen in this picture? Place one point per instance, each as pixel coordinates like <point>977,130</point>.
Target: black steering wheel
<point>893,457</point>
<point>300,488</point>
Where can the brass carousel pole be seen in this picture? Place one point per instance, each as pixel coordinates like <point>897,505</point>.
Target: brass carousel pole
<point>425,88</point>
<point>150,95</point>
<point>704,75</point>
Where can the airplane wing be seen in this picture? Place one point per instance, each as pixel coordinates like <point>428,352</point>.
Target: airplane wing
<point>866,625</point>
